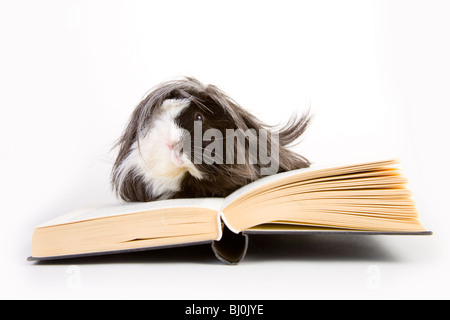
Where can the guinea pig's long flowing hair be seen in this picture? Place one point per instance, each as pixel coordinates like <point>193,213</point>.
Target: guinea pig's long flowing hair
<point>130,180</point>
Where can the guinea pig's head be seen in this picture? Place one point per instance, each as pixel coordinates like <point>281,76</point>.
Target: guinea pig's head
<point>162,146</point>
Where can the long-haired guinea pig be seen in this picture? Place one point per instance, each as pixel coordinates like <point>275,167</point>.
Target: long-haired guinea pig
<point>160,156</point>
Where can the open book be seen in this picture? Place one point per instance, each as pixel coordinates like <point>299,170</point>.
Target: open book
<point>367,198</point>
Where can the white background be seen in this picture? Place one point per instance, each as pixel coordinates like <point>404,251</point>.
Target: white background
<point>375,74</point>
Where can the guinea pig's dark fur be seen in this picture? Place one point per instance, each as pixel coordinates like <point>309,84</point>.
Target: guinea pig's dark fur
<point>150,164</point>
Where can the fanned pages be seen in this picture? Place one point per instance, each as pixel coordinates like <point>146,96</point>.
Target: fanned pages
<point>370,197</point>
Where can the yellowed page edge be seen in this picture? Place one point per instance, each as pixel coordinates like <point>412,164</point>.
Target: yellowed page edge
<point>265,180</point>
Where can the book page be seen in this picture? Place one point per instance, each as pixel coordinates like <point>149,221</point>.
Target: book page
<point>121,208</point>
<point>314,167</point>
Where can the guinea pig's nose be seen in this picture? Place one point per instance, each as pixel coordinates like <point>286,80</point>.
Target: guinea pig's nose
<point>176,153</point>
<point>173,144</point>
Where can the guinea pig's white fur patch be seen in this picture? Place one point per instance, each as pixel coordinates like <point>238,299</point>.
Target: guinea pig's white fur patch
<point>154,157</point>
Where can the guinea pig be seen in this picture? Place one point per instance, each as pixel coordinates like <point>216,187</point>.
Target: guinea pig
<point>183,141</point>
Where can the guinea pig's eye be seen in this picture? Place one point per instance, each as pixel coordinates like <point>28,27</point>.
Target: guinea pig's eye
<point>198,117</point>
